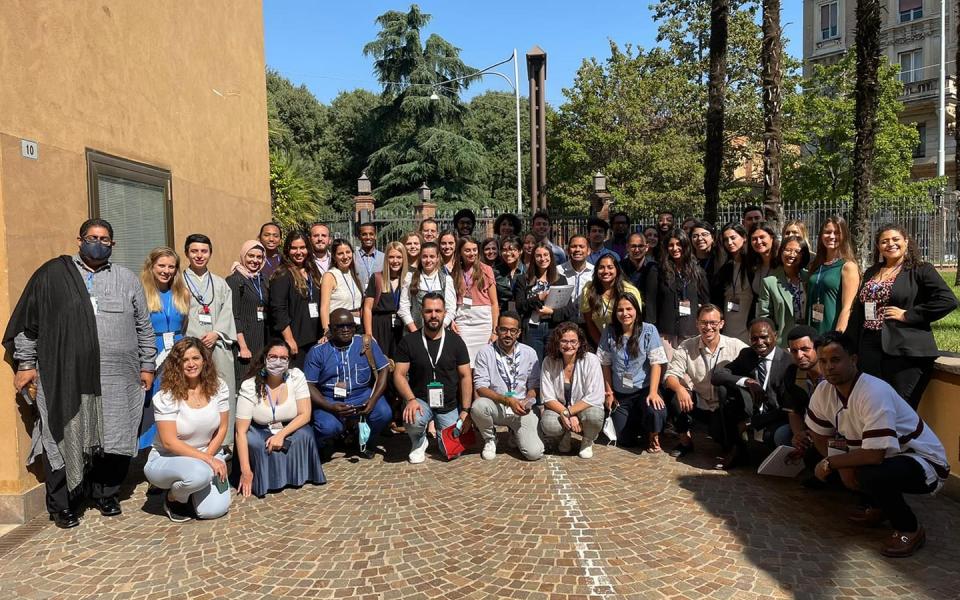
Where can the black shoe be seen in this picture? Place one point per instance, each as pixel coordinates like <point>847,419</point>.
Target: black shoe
<point>108,507</point>
<point>367,453</point>
<point>65,519</point>
<point>178,512</point>
<point>681,450</point>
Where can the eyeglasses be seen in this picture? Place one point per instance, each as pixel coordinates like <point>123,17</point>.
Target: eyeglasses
<point>92,239</point>
<point>710,324</point>
<point>637,246</point>
<point>698,236</point>
<point>569,343</point>
<point>508,330</point>
<point>277,357</point>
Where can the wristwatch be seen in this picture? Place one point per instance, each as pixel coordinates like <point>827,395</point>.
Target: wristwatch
<point>566,413</point>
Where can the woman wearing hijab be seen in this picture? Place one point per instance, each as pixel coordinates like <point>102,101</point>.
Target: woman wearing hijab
<point>250,301</point>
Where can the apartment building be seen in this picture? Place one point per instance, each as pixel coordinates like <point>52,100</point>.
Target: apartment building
<point>911,38</point>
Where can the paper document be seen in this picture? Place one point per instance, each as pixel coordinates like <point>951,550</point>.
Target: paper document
<point>558,296</point>
<point>781,463</point>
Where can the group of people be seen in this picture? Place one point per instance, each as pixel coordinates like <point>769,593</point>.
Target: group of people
<point>310,343</point>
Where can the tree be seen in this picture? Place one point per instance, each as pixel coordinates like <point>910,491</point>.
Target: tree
<point>716,87</point>
<point>956,155</point>
<point>491,122</point>
<point>295,197</point>
<point>819,138</point>
<point>869,22</point>
<point>351,136</point>
<point>425,141</point>
<point>772,67</point>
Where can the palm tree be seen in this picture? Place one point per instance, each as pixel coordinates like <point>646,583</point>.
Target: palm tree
<point>867,96</point>
<point>771,59</point>
<point>716,89</point>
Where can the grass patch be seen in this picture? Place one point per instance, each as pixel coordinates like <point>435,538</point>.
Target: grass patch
<point>947,329</point>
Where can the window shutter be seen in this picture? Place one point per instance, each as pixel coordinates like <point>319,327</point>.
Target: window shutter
<point>910,4</point>
<point>137,212</point>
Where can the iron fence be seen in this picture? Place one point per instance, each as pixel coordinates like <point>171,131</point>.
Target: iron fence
<point>931,223</point>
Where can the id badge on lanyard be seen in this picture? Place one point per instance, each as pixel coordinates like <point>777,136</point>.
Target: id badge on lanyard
<point>260,313</point>
<point>870,311</point>
<point>204,316</point>
<point>435,394</point>
<point>168,340</point>
<point>817,313</point>
<point>275,427</point>
<point>340,390</point>
<point>836,446</point>
<point>685,308</point>
<point>314,310</point>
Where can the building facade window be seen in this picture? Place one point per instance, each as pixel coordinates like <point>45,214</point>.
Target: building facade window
<point>136,200</point>
<point>829,20</point>
<point>910,10</point>
<point>911,65</point>
<point>921,150</point>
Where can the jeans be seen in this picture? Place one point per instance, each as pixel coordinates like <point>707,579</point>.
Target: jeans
<point>633,416</point>
<point>536,336</point>
<point>418,429</point>
<point>327,425</point>
<point>188,479</point>
<point>487,414</point>
<point>885,484</point>
<point>783,436</point>
<point>591,422</point>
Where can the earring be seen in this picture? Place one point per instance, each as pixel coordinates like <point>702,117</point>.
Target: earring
<point>263,372</point>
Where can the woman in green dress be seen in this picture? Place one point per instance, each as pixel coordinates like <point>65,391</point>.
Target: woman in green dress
<point>833,278</point>
<point>782,294</point>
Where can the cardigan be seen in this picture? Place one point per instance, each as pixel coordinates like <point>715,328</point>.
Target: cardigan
<point>586,384</point>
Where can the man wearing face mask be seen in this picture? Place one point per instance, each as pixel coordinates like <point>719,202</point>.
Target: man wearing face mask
<point>83,347</point>
<point>343,386</point>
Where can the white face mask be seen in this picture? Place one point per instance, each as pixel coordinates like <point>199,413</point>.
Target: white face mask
<point>277,366</point>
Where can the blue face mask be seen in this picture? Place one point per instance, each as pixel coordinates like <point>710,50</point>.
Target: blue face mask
<point>95,251</point>
<point>363,433</point>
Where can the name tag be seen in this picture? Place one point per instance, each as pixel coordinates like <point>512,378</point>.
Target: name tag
<point>685,308</point>
<point>627,382</point>
<point>314,310</point>
<point>260,313</point>
<point>870,311</point>
<point>356,319</point>
<point>733,307</point>
<point>435,394</point>
<point>836,446</point>
<point>340,390</point>
<point>168,340</point>
<point>275,427</point>
<point>93,303</point>
<point>205,319</point>
<point>817,313</point>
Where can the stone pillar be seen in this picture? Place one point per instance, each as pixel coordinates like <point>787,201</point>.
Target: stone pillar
<point>364,202</point>
<point>600,204</point>
<point>426,210</point>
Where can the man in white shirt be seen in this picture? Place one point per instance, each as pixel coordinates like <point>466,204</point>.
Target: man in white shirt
<point>578,273</point>
<point>320,241</point>
<point>876,442</point>
<point>688,377</point>
<point>506,376</point>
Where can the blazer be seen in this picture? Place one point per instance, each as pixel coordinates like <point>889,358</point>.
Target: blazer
<point>718,289</point>
<point>924,295</point>
<point>745,365</point>
<point>663,303</point>
<point>776,303</point>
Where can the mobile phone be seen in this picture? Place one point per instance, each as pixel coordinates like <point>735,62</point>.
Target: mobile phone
<point>221,484</point>
<point>286,445</point>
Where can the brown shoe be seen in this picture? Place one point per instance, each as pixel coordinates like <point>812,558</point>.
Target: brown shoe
<point>867,516</point>
<point>901,545</point>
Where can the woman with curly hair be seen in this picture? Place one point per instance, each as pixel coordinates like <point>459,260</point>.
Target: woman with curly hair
<point>571,387</point>
<point>192,414</point>
<point>275,449</point>
<point>900,298</point>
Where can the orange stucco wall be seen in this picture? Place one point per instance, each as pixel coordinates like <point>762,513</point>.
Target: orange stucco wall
<point>178,85</point>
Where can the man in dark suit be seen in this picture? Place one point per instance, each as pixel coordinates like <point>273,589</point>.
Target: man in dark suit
<point>749,387</point>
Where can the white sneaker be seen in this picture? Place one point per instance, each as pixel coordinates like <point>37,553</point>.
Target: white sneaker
<point>489,450</point>
<point>419,453</point>
<point>564,446</point>
<point>586,449</point>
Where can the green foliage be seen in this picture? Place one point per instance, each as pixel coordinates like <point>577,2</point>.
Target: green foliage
<point>294,192</point>
<point>490,120</point>
<point>819,137</point>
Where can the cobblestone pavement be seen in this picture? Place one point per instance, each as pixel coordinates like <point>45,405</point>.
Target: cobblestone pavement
<point>621,525</point>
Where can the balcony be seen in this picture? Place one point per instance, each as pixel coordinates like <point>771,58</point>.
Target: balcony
<point>924,84</point>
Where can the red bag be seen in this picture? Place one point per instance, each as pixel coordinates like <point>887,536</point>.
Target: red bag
<point>452,447</point>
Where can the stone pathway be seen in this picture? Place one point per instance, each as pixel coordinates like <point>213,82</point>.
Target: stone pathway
<point>621,525</point>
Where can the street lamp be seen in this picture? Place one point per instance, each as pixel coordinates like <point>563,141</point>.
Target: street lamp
<point>515,85</point>
<point>363,184</point>
<point>599,182</point>
<point>424,193</point>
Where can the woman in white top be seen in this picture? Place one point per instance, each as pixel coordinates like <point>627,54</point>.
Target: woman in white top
<point>275,449</point>
<point>340,287</point>
<point>571,386</point>
<point>192,415</point>
<point>428,277</point>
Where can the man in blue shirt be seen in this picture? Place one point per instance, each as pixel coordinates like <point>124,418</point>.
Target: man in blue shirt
<point>369,260</point>
<point>343,387</point>
<point>597,232</point>
<point>506,376</point>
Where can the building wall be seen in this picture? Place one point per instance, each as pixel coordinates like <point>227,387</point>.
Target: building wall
<point>921,98</point>
<point>177,85</point>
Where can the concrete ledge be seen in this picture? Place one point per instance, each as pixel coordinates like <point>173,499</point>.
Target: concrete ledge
<point>20,508</point>
<point>948,364</point>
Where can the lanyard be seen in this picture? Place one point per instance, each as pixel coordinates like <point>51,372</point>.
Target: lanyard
<point>353,296</point>
<point>468,284</point>
<point>433,363</point>
<point>90,284</point>
<point>195,290</point>
<point>309,288</point>
<point>273,407</point>
<point>508,367</point>
<point>270,263</point>
<point>255,282</point>
<point>395,291</point>
<point>426,281</point>
<point>345,361</point>
<point>166,301</point>
<point>319,262</point>
<point>365,259</point>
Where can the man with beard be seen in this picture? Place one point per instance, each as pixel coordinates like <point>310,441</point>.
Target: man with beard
<point>620,230</point>
<point>440,386</point>
<point>320,240</point>
<point>83,347</point>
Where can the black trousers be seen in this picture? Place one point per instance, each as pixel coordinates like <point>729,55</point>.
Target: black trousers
<point>721,423</point>
<point>634,417</point>
<point>908,375</point>
<point>104,479</point>
<point>885,484</point>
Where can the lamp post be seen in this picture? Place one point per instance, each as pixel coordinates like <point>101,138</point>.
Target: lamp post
<point>515,85</point>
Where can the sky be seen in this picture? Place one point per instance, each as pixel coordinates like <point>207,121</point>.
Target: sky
<point>319,43</point>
